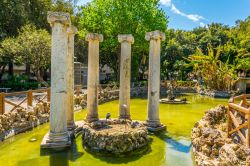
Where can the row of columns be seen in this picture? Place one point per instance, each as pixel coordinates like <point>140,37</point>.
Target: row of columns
<point>62,85</point>
<point>155,39</point>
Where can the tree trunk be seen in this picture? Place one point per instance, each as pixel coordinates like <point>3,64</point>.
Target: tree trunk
<point>27,70</point>
<point>45,75</point>
<point>10,72</point>
<point>39,77</point>
<point>2,72</point>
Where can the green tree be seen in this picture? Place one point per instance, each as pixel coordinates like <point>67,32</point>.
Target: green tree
<point>16,13</point>
<point>216,74</point>
<point>179,44</point>
<point>36,49</point>
<point>9,54</point>
<point>241,36</point>
<point>113,17</point>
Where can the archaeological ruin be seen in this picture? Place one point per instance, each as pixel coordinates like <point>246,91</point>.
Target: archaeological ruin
<point>62,124</point>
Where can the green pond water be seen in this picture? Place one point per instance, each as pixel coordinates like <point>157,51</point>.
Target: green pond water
<point>172,148</point>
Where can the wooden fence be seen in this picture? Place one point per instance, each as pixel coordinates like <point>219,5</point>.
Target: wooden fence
<point>27,98</point>
<point>239,119</point>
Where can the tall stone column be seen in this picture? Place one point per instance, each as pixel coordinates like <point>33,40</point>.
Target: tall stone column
<point>155,39</point>
<point>93,76</point>
<point>125,70</point>
<point>70,105</point>
<point>58,135</point>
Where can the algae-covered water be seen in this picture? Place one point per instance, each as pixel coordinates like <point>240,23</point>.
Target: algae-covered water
<point>172,148</point>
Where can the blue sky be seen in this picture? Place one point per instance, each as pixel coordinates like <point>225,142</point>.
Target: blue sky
<point>187,14</point>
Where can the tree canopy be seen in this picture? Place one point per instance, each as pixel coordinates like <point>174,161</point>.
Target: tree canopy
<point>113,17</point>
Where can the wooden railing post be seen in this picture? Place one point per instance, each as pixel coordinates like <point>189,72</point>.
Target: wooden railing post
<point>2,104</point>
<point>229,121</point>
<point>29,98</point>
<point>48,95</point>
<point>78,89</point>
<point>248,130</point>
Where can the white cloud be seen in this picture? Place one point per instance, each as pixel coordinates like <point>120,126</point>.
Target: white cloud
<point>193,17</point>
<point>176,11</point>
<point>166,2</point>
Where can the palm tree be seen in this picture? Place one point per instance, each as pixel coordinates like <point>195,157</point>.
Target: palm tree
<point>216,74</point>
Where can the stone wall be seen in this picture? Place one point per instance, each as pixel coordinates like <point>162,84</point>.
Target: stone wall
<point>216,93</point>
<point>109,94</point>
<point>211,145</point>
<point>112,93</point>
<point>21,120</point>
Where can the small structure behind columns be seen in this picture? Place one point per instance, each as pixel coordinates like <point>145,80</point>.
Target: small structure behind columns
<point>153,121</point>
<point>70,103</point>
<point>93,76</point>
<point>125,70</point>
<point>58,136</point>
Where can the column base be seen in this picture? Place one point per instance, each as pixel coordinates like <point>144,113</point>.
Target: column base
<point>127,117</point>
<point>155,126</point>
<point>71,125</point>
<point>56,140</point>
<point>77,130</point>
<point>92,119</point>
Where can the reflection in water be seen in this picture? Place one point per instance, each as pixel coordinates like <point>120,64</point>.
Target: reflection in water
<point>74,153</point>
<point>61,157</point>
<point>177,150</point>
<point>121,158</point>
<point>179,145</point>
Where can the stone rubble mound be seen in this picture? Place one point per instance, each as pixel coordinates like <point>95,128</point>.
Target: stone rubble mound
<point>211,147</point>
<point>114,136</point>
<point>21,119</point>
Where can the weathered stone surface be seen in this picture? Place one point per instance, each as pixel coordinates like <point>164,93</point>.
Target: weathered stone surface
<point>211,145</point>
<point>114,136</point>
<point>58,135</point>
<point>93,73</point>
<point>70,86</point>
<point>155,39</point>
<point>125,72</point>
<point>215,93</point>
<point>21,120</point>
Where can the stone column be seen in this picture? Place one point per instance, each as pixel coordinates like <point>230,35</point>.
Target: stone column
<point>155,39</point>
<point>93,76</point>
<point>58,135</point>
<point>125,70</point>
<point>70,64</point>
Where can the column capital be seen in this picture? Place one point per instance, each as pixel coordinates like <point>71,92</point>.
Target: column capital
<point>61,17</point>
<point>94,36</point>
<point>126,37</point>
<point>72,30</point>
<point>155,35</point>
